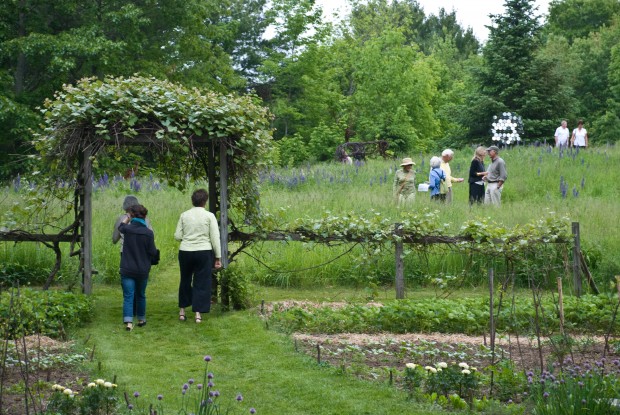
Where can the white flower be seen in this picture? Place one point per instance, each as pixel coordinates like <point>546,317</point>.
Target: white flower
<point>108,384</point>
<point>428,368</point>
<point>68,391</point>
<point>442,365</point>
<point>57,387</point>
<point>411,365</point>
<point>92,385</point>
<point>473,369</point>
<point>114,385</point>
<point>100,381</point>
<point>463,365</point>
<point>439,369</point>
<point>465,372</point>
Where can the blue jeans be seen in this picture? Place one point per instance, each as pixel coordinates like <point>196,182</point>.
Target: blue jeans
<point>134,287</point>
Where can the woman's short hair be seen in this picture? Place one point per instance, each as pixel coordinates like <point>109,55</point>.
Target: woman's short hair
<point>200,197</point>
<point>138,211</point>
<point>580,122</point>
<point>435,162</point>
<point>447,152</point>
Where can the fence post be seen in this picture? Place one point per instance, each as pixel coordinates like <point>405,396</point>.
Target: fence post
<point>561,305</point>
<point>491,326</point>
<point>400,263</point>
<point>576,259</point>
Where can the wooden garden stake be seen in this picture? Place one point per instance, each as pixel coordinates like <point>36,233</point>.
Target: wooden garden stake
<point>576,259</point>
<point>400,263</point>
<point>561,305</point>
<point>318,353</point>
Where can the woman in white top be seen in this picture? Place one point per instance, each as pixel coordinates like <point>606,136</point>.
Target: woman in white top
<point>199,252</point>
<point>580,136</point>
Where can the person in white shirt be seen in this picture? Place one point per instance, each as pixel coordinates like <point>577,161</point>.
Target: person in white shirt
<point>446,156</point>
<point>580,136</point>
<point>561,135</point>
<point>199,252</point>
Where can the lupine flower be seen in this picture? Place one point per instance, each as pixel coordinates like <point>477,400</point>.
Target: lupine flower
<point>210,384</point>
<point>239,398</point>
<point>130,407</point>
<point>136,394</point>
<point>252,410</point>
<point>216,393</point>
<point>546,395</point>
<point>199,386</point>
<point>207,358</point>
<point>191,381</point>
<point>160,397</point>
<point>210,375</point>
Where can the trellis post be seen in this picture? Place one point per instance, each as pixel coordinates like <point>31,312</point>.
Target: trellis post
<point>86,207</point>
<point>400,263</point>
<point>211,178</point>
<point>224,202</point>
<point>576,259</point>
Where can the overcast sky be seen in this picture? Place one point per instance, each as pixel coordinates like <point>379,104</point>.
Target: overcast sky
<point>469,13</point>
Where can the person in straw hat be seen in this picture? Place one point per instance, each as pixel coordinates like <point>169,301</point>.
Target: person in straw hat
<point>404,183</point>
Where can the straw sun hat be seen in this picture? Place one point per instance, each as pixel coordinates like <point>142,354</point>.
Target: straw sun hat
<point>407,162</point>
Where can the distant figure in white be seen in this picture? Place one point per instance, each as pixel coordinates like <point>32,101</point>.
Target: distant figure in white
<point>561,135</point>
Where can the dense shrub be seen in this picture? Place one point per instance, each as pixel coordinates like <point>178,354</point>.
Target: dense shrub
<point>26,311</point>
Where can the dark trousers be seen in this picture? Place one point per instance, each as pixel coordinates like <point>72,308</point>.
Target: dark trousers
<point>195,286</point>
<point>476,193</point>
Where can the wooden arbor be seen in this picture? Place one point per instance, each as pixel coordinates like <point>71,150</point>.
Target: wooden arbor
<point>187,133</point>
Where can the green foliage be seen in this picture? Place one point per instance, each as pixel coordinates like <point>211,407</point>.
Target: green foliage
<point>469,316</point>
<point>575,389</point>
<point>292,150</point>
<point>51,313</point>
<point>102,110</point>
<point>238,288</point>
<point>12,274</point>
<point>578,18</point>
<point>98,398</point>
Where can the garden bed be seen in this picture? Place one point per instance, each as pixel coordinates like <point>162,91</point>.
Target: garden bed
<point>37,361</point>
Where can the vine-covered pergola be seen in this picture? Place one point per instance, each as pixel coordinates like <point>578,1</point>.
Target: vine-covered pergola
<point>187,133</point>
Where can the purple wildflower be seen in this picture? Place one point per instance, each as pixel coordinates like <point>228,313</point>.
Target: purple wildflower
<point>580,384</point>
<point>130,407</point>
<point>199,386</point>
<point>185,386</point>
<point>583,401</point>
<point>191,381</point>
<point>546,395</point>
<point>136,394</point>
<point>211,394</point>
<point>207,358</point>
<point>252,410</point>
<point>210,375</point>
<point>160,397</point>
<point>216,393</point>
<point>210,384</point>
<point>183,391</point>
<point>239,398</point>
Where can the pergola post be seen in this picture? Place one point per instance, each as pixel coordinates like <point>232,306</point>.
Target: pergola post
<point>86,221</point>
<point>224,202</point>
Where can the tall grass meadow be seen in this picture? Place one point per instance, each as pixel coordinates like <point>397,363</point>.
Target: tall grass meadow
<point>581,185</point>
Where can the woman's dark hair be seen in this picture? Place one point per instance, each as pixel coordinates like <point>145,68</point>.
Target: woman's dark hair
<point>580,122</point>
<point>200,197</point>
<point>138,211</point>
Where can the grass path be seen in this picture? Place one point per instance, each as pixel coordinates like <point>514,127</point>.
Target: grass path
<point>247,359</point>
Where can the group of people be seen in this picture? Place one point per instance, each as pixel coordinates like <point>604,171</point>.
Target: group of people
<point>199,252</point>
<point>440,178</point>
<point>579,137</point>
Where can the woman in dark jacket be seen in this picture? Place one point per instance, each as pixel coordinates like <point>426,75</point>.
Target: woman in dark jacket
<point>139,252</point>
<point>476,174</point>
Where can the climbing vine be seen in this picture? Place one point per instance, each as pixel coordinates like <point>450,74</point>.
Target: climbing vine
<point>167,118</point>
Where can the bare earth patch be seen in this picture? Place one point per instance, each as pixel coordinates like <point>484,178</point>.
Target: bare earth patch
<point>33,364</point>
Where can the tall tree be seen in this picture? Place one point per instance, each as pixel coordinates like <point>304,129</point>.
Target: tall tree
<point>578,18</point>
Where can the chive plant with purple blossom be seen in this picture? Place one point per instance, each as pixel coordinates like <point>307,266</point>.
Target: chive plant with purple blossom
<point>576,389</point>
<point>196,398</point>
